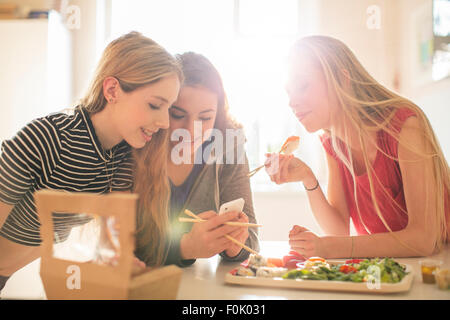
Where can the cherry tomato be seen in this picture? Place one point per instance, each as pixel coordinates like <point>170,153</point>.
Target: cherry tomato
<point>354,261</point>
<point>347,269</point>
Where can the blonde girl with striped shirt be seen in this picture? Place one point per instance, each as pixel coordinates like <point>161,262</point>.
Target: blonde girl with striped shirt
<point>121,120</point>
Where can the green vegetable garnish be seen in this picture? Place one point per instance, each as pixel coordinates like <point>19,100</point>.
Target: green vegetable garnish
<point>387,269</point>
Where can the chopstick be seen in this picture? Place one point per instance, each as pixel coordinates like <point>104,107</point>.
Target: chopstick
<point>243,224</point>
<point>198,219</point>
<point>230,223</point>
<point>191,214</point>
<point>254,171</point>
<point>181,219</point>
<point>242,245</point>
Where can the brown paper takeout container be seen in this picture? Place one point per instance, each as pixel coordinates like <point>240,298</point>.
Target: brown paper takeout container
<point>95,281</point>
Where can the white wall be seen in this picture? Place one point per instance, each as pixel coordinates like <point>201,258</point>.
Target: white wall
<point>347,20</point>
<point>23,71</point>
<point>35,71</point>
<point>433,97</point>
<point>434,100</point>
<point>87,41</point>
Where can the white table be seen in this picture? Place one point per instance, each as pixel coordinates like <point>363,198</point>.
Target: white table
<point>205,281</point>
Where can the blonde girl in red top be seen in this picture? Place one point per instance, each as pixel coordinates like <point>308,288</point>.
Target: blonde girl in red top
<point>386,170</point>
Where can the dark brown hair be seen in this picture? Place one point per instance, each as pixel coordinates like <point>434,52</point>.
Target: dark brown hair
<point>199,71</point>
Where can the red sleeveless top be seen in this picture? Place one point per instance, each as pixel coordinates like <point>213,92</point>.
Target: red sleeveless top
<point>388,187</point>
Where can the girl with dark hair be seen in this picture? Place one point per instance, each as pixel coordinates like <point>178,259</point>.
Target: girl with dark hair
<point>204,180</point>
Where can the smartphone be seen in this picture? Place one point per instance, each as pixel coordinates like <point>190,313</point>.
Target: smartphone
<point>235,205</point>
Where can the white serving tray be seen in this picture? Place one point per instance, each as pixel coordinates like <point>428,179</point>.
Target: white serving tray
<point>325,285</point>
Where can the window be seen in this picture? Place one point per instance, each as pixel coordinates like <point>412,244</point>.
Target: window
<point>441,30</point>
<point>248,42</point>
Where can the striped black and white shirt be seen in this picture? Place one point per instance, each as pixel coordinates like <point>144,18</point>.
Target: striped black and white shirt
<point>60,152</point>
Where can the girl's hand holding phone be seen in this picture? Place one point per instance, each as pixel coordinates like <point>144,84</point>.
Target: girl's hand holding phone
<point>207,239</point>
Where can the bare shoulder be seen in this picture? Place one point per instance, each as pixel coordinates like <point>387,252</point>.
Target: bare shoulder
<point>412,123</point>
<point>413,139</point>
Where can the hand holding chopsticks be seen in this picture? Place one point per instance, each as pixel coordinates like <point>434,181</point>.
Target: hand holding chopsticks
<point>197,219</point>
<point>254,171</point>
<point>288,147</point>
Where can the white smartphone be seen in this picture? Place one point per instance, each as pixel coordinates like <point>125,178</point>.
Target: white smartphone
<point>235,205</point>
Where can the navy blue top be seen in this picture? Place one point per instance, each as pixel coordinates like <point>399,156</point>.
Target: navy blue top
<point>179,194</point>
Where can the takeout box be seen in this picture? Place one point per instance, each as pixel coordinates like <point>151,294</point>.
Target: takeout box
<point>67,278</point>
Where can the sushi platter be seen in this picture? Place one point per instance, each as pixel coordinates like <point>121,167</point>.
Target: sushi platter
<point>362,275</point>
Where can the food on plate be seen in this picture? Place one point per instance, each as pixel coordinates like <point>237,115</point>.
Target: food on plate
<point>275,262</point>
<point>291,260</point>
<point>387,269</point>
<point>347,269</point>
<point>270,272</point>
<point>257,261</point>
<point>290,145</point>
<point>245,272</point>
<point>315,263</point>
<point>260,266</point>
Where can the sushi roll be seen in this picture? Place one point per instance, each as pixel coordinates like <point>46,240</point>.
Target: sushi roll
<point>268,272</point>
<point>256,261</point>
<point>245,272</point>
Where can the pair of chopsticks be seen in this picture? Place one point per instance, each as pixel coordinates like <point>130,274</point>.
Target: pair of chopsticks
<point>254,171</point>
<point>233,223</point>
<point>230,223</point>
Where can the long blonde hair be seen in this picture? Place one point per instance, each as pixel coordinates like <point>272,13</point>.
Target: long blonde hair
<point>136,61</point>
<point>370,107</point>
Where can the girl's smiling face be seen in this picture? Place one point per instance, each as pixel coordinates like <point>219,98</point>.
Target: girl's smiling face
<point>309,97</point>
<point>193,104</point>
<point>141,113</point>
